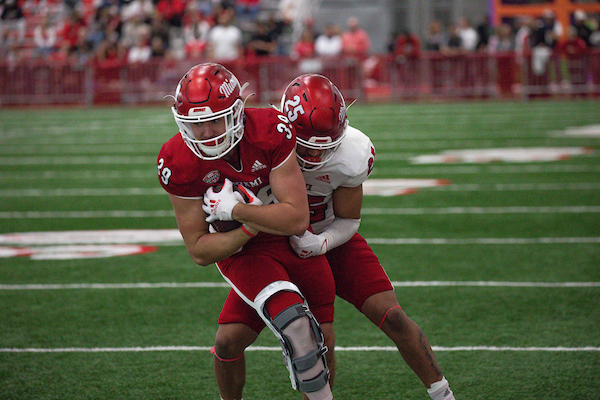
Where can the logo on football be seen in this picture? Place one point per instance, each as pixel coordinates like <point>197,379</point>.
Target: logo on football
<point>226,226</point>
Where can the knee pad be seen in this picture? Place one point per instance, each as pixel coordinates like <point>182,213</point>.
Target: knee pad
<point>278,324</point>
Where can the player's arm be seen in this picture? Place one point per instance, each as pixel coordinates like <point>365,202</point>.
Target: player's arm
<point>290,216</point>
<point>347,203</point>
<point>204,248</point>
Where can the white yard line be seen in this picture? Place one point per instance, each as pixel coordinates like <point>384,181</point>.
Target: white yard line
<point>157,191</point>
<point>434,171</point>
<point>365,211</point>
<point>266,348</point>
<point>467,241</point>
<point>47,174</point>
<point>85,214</point>
<point>502,187</point>
<point>482,210</point>
<point>445,170</point>
<point>151,159</point>
<point>83,192</point>
<point>79,160</point>
<point>186,285</point>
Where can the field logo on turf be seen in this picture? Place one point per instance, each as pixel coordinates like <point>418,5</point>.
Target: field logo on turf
<point>71,245</point>
<point>515,154</point>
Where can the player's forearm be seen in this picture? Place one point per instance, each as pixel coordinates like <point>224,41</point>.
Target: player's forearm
<point>340,231</point>
<point>278,219</point>
<point>213,247</point>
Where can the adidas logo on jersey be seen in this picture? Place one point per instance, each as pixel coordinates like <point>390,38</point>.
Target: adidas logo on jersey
<point>257,165</point>
<point>323,178</point>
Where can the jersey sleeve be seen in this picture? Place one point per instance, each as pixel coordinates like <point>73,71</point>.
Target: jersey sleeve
<point>360,166</point>
<point>176,171</point>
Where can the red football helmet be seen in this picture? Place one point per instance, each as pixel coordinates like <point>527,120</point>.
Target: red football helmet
<point>317,110</point>
<point>209,92</point>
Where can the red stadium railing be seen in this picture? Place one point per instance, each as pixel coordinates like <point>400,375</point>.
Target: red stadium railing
<point>431,76</point>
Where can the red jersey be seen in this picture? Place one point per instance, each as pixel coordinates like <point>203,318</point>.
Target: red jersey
<point>266,144</point>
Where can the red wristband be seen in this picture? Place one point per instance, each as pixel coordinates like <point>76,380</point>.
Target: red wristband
<point>246,231</point>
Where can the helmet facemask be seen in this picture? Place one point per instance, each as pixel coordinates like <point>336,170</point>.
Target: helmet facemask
<point>216,147</point>
<point>209,96</point>
<point>325,145</point>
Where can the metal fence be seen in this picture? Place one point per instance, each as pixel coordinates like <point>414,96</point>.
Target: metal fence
<point>378,78</point>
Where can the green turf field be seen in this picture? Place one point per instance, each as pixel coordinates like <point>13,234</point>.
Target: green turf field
<point>500,265</point>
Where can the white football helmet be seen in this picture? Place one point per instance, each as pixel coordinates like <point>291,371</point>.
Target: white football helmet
<point>208,92</point>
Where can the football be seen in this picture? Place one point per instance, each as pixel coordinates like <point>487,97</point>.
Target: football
<point>226,226</point>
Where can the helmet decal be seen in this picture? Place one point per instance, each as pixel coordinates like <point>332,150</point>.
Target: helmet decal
<point>317,110</point>
<point>229,87</point>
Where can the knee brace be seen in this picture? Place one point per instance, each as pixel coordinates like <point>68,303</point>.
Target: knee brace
<point>280,322</point>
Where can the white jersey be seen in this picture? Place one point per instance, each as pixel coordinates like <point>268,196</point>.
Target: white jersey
<point>350,166</point>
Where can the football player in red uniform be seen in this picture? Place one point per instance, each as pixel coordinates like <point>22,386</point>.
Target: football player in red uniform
<point>220,142</point>
<point>336,159</point>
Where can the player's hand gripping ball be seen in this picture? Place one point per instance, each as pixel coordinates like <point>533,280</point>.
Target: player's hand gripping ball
<point>219,201</point>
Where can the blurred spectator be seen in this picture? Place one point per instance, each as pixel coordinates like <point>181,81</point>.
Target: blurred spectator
<point>305,46</point>
<point>282,30</point>
<point>293,9</point>
<point>158,47</point>
<point>109,53</point>
<point>135,24</point>
<point>405,45</point>
<point>329,43</point>
<point>543,39</point>
<point>207,7</point>
<point>10,47</point>
<point>546,30</point>
<point>140,10</point>
<point>455,41</point>
<point>12,19</point>
<point>172,11</point>
<point>141,50</point>
<point>44,37</point>
<point>406,50</point>
<point>572,50</point>
<point>83,48</point>
<point>468,35</point>
<point>247,12</point>
<point>195,33</point>
<point>72,30</point>
<point>309,25</point>
<point>484,32</point>
<point>225,39</point>
<point>524,27</point>
<point>582,26</point>
<point>573,46</point>
<point>105,23</point>
<point>263,41</point>
<point>355,41</point>
<point>159,35</point>
<point>502,40</point>
<point>435,40</point>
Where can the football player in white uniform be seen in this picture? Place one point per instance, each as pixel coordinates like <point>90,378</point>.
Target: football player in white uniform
<point>336,159</point>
